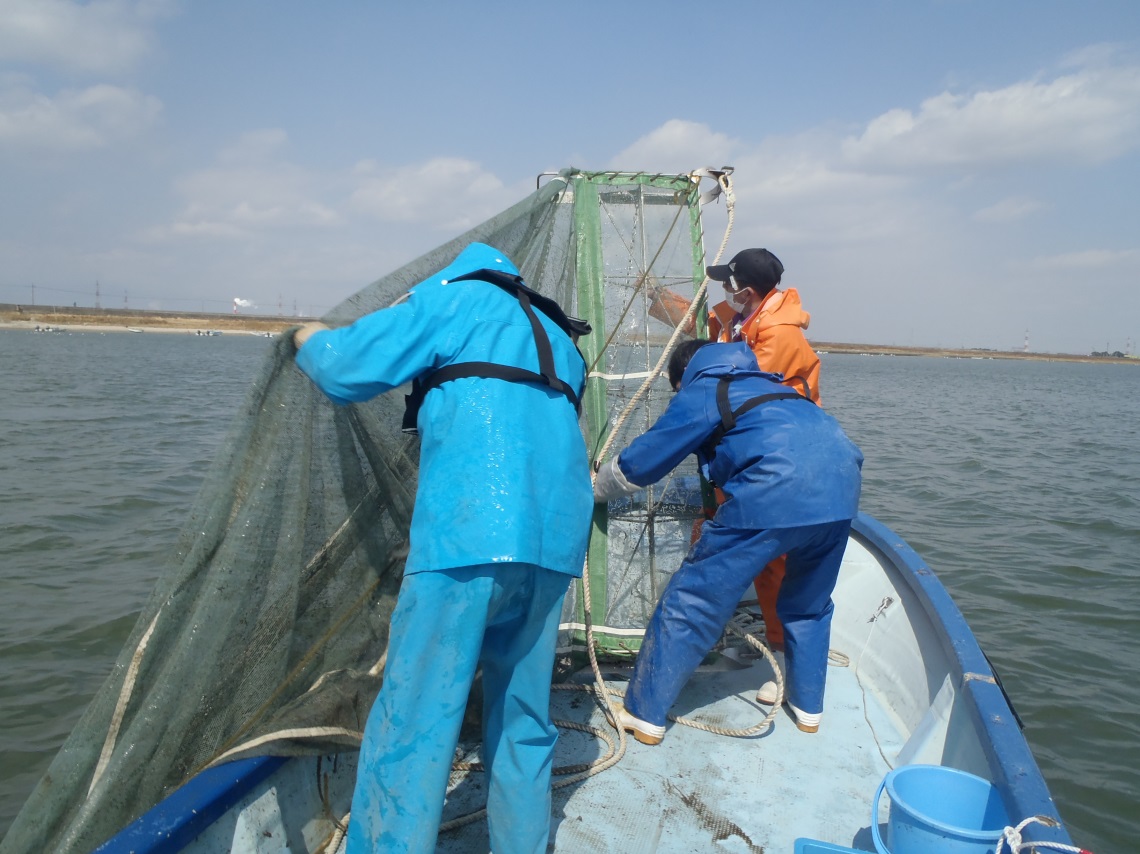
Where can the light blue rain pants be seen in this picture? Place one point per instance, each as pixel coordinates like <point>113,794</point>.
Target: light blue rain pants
<point>446,624</point>
<point>703,593</point>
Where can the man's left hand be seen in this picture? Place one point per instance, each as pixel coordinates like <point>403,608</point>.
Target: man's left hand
<point>303,333</point>
<point>611,482</point>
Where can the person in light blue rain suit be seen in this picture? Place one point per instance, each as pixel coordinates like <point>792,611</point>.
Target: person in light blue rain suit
<point>500,524</point>
<point>792,481</point>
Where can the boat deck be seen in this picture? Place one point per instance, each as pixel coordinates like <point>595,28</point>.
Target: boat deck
<point>699,791</point>
<point>915,690</point>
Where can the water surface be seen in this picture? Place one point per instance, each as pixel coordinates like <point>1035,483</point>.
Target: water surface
<point>1018,482</point>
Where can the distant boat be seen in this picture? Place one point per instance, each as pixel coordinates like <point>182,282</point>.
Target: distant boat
<point>133,329</point>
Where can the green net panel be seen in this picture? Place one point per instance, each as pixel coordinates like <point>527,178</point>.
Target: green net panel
<point>267,631</point>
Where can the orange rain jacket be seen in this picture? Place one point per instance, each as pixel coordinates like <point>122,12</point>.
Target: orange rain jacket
<point>775,332</point>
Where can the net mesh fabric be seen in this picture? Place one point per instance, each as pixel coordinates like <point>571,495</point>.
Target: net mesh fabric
<point>267,631</point>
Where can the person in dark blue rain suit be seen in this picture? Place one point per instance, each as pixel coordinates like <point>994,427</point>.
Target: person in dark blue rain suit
<point>500,524</point>
<point>792,481</point>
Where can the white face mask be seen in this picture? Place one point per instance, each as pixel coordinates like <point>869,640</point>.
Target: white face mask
<point>736,299</point>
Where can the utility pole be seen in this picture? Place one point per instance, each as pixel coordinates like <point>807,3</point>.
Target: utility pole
<point>124,298</point>
<point>33,293</point>
<point>97,303</point>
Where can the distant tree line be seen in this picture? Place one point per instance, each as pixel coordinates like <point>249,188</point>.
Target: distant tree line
<point>1107,355</point>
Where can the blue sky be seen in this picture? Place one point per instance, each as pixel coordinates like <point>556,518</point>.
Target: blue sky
<point>950,173</point>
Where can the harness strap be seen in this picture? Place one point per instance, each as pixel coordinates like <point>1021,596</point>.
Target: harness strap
<point>728,415</point>
<point>495,371</point>
<point>547,374</point>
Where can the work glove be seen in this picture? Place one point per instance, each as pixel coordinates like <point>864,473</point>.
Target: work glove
<point>611,483</point>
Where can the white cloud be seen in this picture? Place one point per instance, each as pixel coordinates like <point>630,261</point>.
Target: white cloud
<point>252,189</point>
<point>1091,115</point>
<point>103,36</point>
<point>448,193</point>
<point>677,146</point>
<point>73,119</point>
<point>1089,259</point>
<point>1009,210</point>
<point>254,147</point>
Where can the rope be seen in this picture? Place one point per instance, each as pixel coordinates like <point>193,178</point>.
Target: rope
<point>771,716</point>
<point>1012,837</point>
<point>121,705</point>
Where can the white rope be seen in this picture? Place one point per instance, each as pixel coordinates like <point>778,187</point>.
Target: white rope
<point>1012,837</point>
<point>637,375</point>
<point>299,732</point>
<point>121,706</point>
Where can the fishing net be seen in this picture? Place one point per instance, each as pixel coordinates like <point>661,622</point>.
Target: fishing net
<point>267,632</point>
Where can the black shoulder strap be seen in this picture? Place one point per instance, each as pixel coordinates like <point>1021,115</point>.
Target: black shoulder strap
<point>546,375</point>
<point>728,416</point>
<point>572,326</point>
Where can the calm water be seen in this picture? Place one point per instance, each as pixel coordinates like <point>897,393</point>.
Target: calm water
<point>1018,482</point>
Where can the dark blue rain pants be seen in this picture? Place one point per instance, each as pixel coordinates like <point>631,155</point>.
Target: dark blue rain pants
<point>446,624</point>
<point>702,595</point>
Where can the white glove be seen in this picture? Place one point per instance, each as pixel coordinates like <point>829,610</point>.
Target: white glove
<point>611,483</point>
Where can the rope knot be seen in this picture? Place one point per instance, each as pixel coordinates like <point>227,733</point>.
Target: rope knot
<point>1012,835</point>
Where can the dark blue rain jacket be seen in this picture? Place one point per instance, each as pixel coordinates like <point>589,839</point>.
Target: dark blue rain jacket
<point>786,463</point>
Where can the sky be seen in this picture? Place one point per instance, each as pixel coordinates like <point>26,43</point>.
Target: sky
<point>931,173</point>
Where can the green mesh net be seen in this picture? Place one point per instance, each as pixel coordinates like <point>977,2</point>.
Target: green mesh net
<point>267,632</point>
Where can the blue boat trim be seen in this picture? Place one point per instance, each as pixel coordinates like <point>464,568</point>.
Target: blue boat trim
<point>1012,766</point>
<point>193,807</point>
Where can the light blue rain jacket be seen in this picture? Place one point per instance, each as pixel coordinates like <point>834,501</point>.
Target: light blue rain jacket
<point>786,463</point>
<point>504,475</point>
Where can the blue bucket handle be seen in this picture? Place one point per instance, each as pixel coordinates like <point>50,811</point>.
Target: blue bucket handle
<point>880,846</point>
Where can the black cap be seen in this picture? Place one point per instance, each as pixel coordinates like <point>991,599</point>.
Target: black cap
<point>751,268</point>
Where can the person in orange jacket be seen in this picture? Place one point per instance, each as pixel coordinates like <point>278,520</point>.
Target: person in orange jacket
<point>772,322</point>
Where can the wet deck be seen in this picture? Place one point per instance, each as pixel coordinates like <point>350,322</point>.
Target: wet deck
<point>699,791</point>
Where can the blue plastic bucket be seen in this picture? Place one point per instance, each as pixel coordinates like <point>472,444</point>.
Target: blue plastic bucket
<point>939,810</point>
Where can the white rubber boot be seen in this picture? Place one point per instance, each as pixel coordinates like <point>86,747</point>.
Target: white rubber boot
<point>643,731</point>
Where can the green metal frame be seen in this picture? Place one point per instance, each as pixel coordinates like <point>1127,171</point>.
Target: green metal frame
<point>590,268</point>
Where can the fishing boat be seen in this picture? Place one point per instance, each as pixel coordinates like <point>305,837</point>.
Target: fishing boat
<point>232,718</point>
<point>909,687</point>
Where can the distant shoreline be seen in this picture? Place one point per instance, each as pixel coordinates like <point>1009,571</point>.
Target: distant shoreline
<point>123,320</point>
<point>824,347</point>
